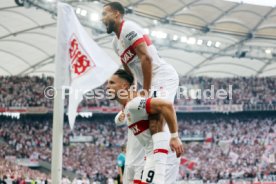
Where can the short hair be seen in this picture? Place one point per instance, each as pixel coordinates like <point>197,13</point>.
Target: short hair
<point>125,75</point>
<point>116,6</point>
<point>123,147</point>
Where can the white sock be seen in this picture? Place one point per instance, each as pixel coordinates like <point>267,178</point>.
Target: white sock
<point>161,148</point>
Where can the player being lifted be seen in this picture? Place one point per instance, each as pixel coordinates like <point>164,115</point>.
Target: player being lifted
<point>140,58</point>
<point>137,110</point>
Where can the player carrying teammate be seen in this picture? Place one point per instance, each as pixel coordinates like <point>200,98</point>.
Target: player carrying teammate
<point>137,110</point>
<point>140,58</point>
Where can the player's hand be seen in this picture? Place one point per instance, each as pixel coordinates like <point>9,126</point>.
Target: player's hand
<point>177,146</point>
<point>144,93</point>
<point>122,117</point>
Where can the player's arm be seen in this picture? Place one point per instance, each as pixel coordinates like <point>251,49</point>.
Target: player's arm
<point>146,64</point>
<point>120,119</point>
<point>164,107</point>
<point>126,68</point>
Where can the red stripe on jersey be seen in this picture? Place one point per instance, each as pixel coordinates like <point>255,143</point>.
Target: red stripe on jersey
<point>121,27</point>
<point>160,151</point>
<point>139,127</point>
<point>147,39</point>
<point>141,40</point>
<point>137,42</point>
<point>148,105</point>
<point>128,55</point>
<point>136,181</point>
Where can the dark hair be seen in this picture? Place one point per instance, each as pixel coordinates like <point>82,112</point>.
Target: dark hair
<point>116,6</point>
<point>125,75</point>
<point>123,147</point>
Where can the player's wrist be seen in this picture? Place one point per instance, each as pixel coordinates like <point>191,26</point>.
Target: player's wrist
<point>174,135</point>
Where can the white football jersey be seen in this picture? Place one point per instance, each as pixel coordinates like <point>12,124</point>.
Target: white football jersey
<point>138,123</point>
<point>136,112</point>
<point>135,153</point>
<point>130,36</point>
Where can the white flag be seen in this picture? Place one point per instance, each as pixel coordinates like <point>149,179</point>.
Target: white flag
<point>85,65</point>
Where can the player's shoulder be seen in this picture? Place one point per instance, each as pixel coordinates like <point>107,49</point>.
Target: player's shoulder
<point>114,40</point>
<point>130,27</point>
<point>137,103</point>
<point>129,23</point>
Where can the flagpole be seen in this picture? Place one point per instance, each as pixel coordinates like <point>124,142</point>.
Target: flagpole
<point>68,27</point>
<point>58,111</point>
<point>57,137</point>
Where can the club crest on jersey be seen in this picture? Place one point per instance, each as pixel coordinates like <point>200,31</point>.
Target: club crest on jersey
<point>80,60</point>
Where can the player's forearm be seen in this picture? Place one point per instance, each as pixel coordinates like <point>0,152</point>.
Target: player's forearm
<point>146,62</point>
<point>169,114</point>
<point>126,68</point>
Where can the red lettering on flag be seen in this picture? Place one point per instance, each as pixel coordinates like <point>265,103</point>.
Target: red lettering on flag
<point>80,60</point>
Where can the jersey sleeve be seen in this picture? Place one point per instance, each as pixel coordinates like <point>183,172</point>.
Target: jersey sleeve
<point>140,104</point>
<point>133,35</point>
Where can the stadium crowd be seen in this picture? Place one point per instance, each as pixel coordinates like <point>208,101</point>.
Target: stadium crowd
<point>32,139</point>
<point>17,91</point>
<point>29,92</point>
<point>245,90</point>
<point>231,147</point>
<point>12,173</point>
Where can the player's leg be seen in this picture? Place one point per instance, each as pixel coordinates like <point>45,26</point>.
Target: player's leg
<point>128,174</point>
<point>149,175</point>
<point>160,145</point>
<point>161,137</point>
<point>172,170</point>
<point>172,173</point>
<point>138,171</point>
